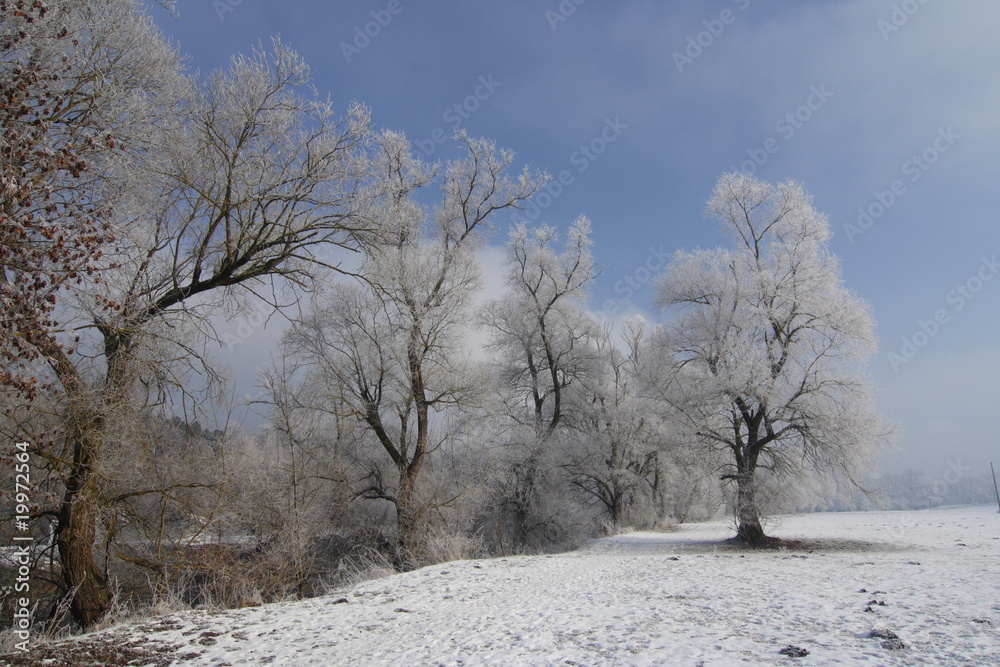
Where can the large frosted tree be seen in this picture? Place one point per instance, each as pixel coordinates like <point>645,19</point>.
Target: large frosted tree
<point>197,191</point>
<point>764,355</point>
<point>80,80</point>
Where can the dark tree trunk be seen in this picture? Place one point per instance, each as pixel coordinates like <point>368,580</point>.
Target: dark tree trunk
<point>747,449</point>
<point>748,526</point>
<point>76,524</point>
<point>90,598</point>
<point>407,528</point>
<point>612,499</point>
<point>78,513</point>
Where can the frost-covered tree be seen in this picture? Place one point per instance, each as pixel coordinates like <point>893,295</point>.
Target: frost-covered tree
<point>245,187</point>
<point>210,187</point>
<point>618,448</point>
<point>73,97</point>
<point>539,330</point>
<point>391,347</point>
<point>764,357</point>
<point>300,492</point>
<point>542,342</point>
<point>80,79</point>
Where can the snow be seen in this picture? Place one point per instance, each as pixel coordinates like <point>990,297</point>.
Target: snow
<point>685,597</point>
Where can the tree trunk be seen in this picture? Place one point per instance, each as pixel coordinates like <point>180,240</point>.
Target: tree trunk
<point>407,529</point>
<point>747,452</point>
<point>75,531</point>
<point>406,519</point>
<point>88,591</point>
<point>748,526</point>
<point>78,513</point>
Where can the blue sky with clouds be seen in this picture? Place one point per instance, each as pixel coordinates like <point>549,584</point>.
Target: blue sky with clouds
<point>887,112</point>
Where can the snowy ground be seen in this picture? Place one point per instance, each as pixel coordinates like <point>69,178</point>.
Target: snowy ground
<point>926,582</point>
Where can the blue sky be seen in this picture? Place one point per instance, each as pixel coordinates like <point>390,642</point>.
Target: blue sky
<point>886,111</point>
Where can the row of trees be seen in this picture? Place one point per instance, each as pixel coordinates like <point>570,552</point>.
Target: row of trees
<point>913,490</point>
<point>140,204</point>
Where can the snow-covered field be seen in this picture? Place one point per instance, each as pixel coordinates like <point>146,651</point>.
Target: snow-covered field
<point>892,588</point>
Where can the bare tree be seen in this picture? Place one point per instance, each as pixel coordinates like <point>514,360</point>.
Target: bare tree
<point>392,346</point>
<point>238,183</point>
<point>80,78</point>
<point>765,355</point>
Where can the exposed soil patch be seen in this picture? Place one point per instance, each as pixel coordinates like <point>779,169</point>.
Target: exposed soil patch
<point>98,651</point>
<point>803,545</point>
